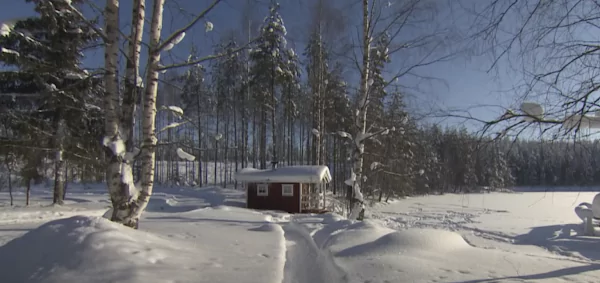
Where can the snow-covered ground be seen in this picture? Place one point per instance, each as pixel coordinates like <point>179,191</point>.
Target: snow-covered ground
<point>205,235</point>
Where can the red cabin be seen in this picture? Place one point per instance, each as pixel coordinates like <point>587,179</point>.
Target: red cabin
<point>293,189</point>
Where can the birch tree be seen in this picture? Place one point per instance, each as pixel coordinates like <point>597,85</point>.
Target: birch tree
<point>129,201</point>
<point>357,203</point>
<point>393,20</point>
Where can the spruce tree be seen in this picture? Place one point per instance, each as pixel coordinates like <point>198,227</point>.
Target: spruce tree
<point>269,69</point>
<point>44,57</point>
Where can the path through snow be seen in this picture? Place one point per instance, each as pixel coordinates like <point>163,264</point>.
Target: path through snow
<point>305,262</point>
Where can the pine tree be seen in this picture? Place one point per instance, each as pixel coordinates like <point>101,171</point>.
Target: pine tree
<point>46,53</point>
<point>398,146</point>
<point>317,59</point>
<point>227,72</point>
<point>194,100</point>
<point>290,87</point>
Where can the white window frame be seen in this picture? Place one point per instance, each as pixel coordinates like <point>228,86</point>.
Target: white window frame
<point>287,186</point>
<point>263,194</point>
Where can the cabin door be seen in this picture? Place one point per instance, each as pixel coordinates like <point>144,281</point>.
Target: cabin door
<point>305,197</point>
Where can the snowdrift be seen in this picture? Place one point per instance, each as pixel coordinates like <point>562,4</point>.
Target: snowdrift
<point>369,252</point>
<point>421,240</point>
<point>93,249</point>
<point>86,249</point>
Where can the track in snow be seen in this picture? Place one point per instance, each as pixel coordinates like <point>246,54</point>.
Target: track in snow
<point>305,262</point>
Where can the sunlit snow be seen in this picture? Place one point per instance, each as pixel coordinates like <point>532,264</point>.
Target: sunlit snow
<point>205,235</point>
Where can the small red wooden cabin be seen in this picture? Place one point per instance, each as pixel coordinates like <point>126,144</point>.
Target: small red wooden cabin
<point>294,189</point>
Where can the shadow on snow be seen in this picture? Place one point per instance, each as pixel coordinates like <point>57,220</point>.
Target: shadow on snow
<point>546,275</point>
<point>566,240</point>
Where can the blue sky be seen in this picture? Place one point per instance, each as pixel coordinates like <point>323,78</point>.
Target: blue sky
<point>465,82</point>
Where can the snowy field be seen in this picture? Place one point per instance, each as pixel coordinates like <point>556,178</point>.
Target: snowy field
<point>204,235</point>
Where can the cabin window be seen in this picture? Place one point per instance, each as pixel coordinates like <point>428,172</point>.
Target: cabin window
<point>262,190</point>
<point>287,190</point>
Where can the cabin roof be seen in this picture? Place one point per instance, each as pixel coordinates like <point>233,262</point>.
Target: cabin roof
<point>290,174</point>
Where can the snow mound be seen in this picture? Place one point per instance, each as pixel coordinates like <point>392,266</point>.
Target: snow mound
<point>169,205</point>
<point>421,240</point>
<point>94,250</point>
<point>164,205</point>
<point>222,207</point>
<point>345,234</point>
<point>268,227</point>
<point>16,215</point>
<point>331,218</point>
<point>77,249</point>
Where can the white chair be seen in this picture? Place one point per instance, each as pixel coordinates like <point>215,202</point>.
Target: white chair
<point>589,213</point>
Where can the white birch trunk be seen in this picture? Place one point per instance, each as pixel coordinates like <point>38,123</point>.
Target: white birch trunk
<point>357,202</point>
<point>149,139</point>
<point>132,80</point>
<point>119,121</point>
<point>120,184</point>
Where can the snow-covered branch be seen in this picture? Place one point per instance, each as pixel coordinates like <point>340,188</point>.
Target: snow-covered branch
<point>203,59</point>
<point>178,35</point>
<point>98,31</point>
<point>366,136</point>
<point>420,172</point>
<point>184,155</point>
<point>174,109</point>
<point>172,125</point>
<point>340,134</point>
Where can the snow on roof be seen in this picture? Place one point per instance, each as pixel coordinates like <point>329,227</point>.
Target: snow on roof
<point>293,174</point>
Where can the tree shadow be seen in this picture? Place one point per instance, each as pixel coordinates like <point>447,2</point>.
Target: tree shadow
<point>546,275</point>
<point>212,196</point>
<point>565,240</point>
<point>195,220</point>
<point>68,198</point>
<point>542,189</point>
<point>15,229</point>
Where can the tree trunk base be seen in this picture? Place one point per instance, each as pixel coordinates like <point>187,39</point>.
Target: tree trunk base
<point>122,215</point>
<point>132,223</point>
<point>28,192</point>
